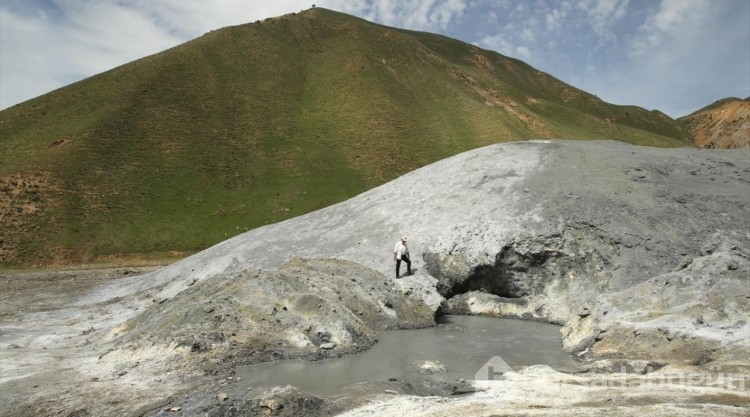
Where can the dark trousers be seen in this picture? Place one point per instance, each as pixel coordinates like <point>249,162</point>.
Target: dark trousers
<point>406,259</point>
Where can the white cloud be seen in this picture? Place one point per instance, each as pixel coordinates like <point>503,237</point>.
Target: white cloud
<point>45,45</point>
<point>684,56</point>
<point>497,43</point>
<point>40,52</point>
<point>523,53</point>
<point>555,18</point>
<point>491,18</point>
<point>449,10</point>
<point>675,55</point>
<point>676,24</point>
<point>529,31</point>
<point>425,15</point>
<point>91,44</point>
<point>603,15</point>
<point>24,75</point>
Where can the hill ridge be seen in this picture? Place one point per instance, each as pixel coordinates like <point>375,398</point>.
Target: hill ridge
<point>723,124</point>
<point>253,124</point>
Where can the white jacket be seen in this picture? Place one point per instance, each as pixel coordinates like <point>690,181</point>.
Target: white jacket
<point>400,250</point>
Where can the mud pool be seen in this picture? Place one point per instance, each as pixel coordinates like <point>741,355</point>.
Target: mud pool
<point>462,344</point>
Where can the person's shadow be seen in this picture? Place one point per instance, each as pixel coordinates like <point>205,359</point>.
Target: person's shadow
<point>413,272</point>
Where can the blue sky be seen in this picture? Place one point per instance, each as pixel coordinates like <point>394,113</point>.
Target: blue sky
<point>672,55</point>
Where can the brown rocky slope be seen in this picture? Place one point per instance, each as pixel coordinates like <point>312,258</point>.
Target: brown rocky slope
<point>724,124</point>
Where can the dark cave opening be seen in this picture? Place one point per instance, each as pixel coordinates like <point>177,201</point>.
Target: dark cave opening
<point>514,273</point>
<point>492,279</point>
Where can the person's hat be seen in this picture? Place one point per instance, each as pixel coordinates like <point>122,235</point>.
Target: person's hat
<point>403,238</point>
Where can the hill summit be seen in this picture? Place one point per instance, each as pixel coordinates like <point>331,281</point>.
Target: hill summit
<point>257,123</point>
<point>724,124</point>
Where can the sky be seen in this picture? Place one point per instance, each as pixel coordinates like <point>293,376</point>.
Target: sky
<point>675,56</point>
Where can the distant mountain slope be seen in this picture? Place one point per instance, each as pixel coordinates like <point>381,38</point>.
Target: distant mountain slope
<point>724,124</point>
<point>257,123</point>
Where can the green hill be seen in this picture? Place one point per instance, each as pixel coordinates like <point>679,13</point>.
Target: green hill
<point>257,123</point>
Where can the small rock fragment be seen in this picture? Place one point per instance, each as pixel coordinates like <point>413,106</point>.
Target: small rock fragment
<point>430,367</point>
<point>272,403</point>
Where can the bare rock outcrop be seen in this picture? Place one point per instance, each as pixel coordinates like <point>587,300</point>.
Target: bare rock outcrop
<point>721,125</point>
<point>695,314</point>
<point>308,308</point>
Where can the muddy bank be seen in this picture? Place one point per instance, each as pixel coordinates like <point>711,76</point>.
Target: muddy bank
<point>23,291</point>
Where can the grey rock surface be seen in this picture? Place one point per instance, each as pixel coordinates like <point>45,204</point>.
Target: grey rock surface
<point>557,224</point>
<point>637,208</point>
<point>310,309</point>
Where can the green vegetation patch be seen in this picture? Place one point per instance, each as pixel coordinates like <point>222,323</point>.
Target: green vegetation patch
<point>258,123</point>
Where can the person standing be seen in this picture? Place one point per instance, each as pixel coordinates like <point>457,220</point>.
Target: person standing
<point>401,253</point>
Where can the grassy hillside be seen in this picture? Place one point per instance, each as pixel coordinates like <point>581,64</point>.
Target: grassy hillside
<point>254,124</point>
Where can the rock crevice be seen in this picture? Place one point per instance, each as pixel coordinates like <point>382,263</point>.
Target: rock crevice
<point>527,269</point>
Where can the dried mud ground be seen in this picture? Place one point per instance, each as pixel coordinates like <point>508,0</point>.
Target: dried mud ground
<point>35,293</point>
<point>38,290</point>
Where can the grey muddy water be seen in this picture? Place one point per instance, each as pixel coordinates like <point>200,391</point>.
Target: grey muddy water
<point>462,344</point>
